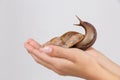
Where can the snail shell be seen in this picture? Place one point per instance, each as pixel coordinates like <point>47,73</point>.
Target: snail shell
<point>76,39</point>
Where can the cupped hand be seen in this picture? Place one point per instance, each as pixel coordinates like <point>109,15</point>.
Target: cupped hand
<point>65,61</point>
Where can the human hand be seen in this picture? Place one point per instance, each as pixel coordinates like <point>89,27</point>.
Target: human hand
<point>104,62</point>
<point>73,62</point>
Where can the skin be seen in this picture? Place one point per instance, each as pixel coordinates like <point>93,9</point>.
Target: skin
<point>74,62</point>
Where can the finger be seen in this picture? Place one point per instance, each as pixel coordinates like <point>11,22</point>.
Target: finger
<point>34,43</point>
<point>56,51</point>
<point>39,61</point>
<point>104,61</point>
<point>53,63</point>
<point>93,52</point>
<point>49,66</point>
<point>27,47</point>
<point>40,55</point>
<point>31,49</point>
<point>32,52</point>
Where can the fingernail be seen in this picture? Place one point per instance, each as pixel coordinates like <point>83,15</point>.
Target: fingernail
<point>47,49</point>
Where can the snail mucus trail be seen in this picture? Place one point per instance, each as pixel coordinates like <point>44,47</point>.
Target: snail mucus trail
<point>72,39</point>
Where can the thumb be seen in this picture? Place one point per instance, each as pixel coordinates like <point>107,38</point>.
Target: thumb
<point>60,52</point>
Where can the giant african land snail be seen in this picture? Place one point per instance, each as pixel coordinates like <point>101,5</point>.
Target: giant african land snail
<point>76,39</point>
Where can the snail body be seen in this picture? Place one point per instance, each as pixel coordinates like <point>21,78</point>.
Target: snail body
<point>90,35</point>
<point>76,39</point>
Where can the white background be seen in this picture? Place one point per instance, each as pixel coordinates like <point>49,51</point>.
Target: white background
<point>45,19</point>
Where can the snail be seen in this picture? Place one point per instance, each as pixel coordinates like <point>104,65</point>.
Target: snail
<point>73,39</point>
